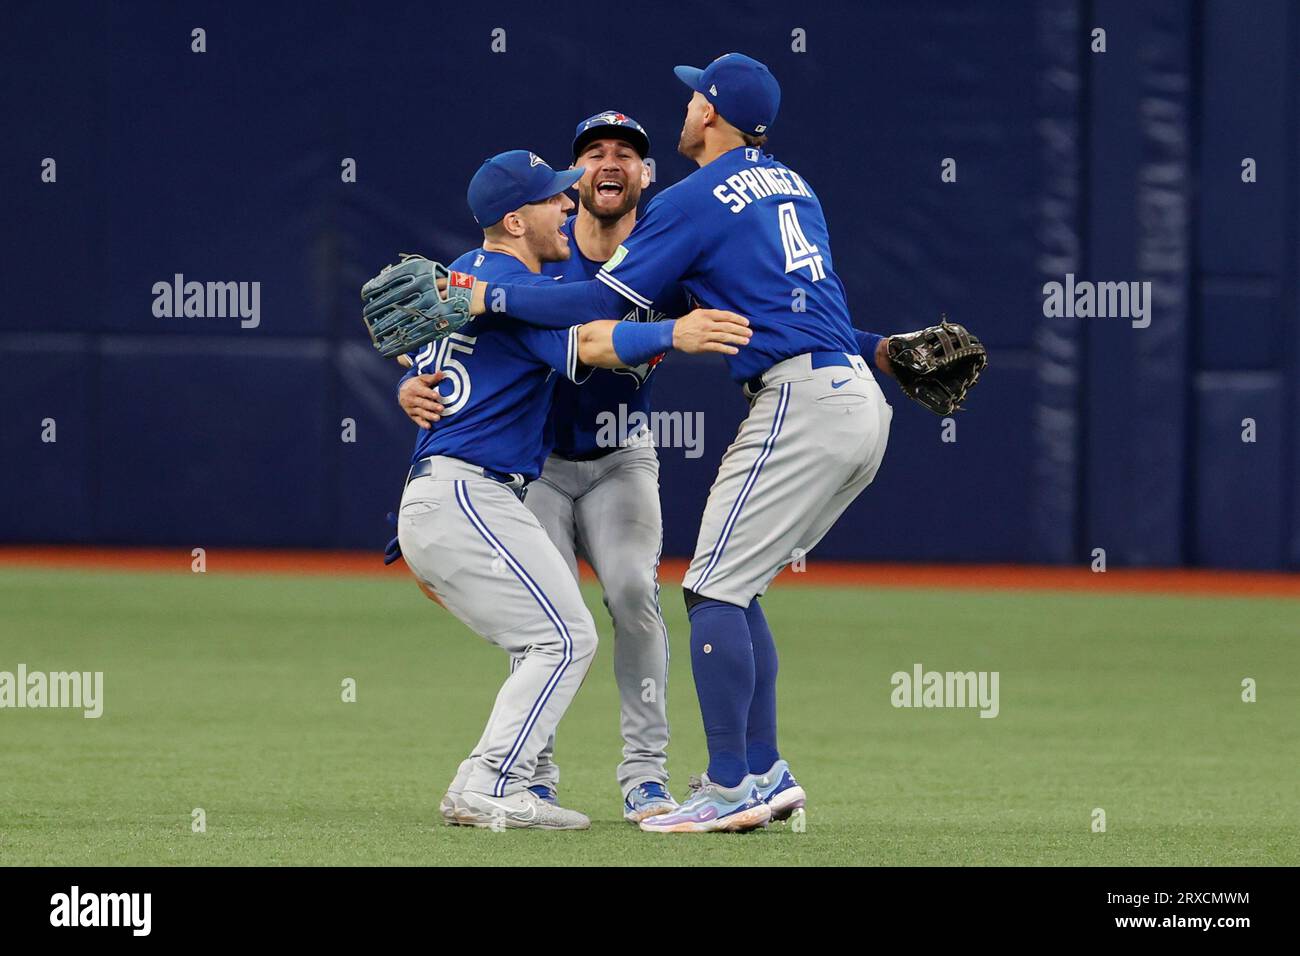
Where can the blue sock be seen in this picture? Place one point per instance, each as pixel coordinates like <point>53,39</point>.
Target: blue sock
<point>760,741</point>
<point>724,682</point>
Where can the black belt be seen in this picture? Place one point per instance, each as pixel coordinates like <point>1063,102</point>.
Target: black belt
<point>590,455</point>
<point>819,360</point>
<point>515,482</point>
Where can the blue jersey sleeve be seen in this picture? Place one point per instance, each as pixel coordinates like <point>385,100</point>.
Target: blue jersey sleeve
<point>867,342</point>
<point>557,305</point>
<point>558,348</point>
<point>661,249</point>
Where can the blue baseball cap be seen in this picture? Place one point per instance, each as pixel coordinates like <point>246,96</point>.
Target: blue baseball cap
<point>743,90</point>
<point>513,179</point>
<point>613,125</point>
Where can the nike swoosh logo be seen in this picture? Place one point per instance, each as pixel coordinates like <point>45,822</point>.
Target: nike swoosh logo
<point>844,381</point>
<point>520,815</point>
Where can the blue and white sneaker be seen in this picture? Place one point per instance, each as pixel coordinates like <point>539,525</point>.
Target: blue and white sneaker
<point>713,809</point>
<point>646,800</point>
<point>780,791</point>
<point>545,793</point>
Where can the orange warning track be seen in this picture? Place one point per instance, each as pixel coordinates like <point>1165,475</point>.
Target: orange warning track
<point>818,573</point>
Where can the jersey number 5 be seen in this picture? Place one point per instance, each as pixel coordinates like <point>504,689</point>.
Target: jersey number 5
<point>799,252</point>
<point>442,358</point>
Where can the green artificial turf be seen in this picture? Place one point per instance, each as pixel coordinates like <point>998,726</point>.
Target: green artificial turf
<point>224,693</point>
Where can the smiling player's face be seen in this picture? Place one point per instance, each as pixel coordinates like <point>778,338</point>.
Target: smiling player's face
<point>615,175</point>
<point>544,221</point>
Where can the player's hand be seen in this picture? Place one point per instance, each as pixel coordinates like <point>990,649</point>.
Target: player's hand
<point>711,330</point>
<point>420,399</point>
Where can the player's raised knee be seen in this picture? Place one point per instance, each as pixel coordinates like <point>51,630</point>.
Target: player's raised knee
<point>583,639</point>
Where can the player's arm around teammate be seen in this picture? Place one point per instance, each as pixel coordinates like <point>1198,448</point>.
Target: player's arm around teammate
<point>420,399</point>
<point>609,344</point>
<point>606,343</point>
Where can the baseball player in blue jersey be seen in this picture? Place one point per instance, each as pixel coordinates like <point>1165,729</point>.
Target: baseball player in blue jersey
<point>599,499</point>
<point>463,528</point>
<point>747,234</point>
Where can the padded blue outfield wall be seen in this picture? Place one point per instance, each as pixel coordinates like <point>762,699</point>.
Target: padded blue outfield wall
<point>226,165</point>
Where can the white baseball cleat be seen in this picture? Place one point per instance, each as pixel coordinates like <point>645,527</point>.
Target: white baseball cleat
<point>518,811</point>
<point>451,806</point>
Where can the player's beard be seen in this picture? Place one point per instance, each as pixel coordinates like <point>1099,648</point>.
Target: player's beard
<point>692,139</point>
<point>548,245</point>
<point>590,201</point>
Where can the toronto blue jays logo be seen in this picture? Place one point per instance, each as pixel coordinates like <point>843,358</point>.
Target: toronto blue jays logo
<point>642,372</point>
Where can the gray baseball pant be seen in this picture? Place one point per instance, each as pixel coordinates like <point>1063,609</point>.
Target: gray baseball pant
<point>813,440</point>
<point>607,511</point>
<point>472,542</point>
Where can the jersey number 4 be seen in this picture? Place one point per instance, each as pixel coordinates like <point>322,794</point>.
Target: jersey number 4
<point>441,357</point>
<point>799,252</point>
